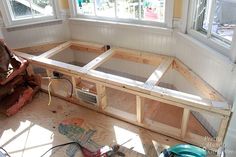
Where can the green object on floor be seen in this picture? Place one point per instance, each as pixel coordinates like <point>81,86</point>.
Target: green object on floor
<point>184,150</point>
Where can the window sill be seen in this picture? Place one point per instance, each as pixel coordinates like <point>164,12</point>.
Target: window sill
<point>214,53</point>
<point>124,24</point>
<point>33,24</point>
<point>215,44</point>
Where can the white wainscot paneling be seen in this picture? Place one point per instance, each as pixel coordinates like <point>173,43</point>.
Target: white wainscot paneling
<point>214,68</point>
<point>36,34</point>
<point>152,39</point>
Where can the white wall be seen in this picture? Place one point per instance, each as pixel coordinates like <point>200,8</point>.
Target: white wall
<point>36,34</point>
<point>151,39</point>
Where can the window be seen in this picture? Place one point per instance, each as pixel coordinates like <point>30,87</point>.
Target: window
<point>216,19</point>
<point>137,11</point>
<point>23,11</point>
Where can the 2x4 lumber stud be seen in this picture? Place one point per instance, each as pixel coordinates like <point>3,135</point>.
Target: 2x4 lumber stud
<point>156,76</point>
<point>201,85</point>
<point>38,48</point>
<point>138,57</point>
<point>99,60</point>
<point>101,94</point>
<point>87,45</point>
<point>222,129</point>
<point>74,85</point>
<point>55,50</point>
<point>140,108</point>
<point>88,50</point>
<point>185,120</point>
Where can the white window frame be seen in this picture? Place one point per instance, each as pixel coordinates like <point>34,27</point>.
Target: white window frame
<point>228,50</point>
<point>168,22</point>
<point>9,22</point>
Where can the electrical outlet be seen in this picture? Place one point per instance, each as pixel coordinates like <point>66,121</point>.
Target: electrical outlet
<point>57,74</point>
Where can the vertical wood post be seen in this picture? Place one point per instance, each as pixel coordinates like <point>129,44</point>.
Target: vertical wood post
<point>139,109</point>
<point>222,129</point>
<point>102,98</point>
<point>74,85</point>
<point>185,120</point>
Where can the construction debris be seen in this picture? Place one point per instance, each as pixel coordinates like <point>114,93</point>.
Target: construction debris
<point>16,87</point>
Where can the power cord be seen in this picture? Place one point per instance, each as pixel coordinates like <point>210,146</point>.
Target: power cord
<point>57,78</point>
<point>60,145</point>
<point>71,84</point>
<point>49,93</point>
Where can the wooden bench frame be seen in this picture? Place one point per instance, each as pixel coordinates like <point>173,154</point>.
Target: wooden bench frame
<point>147,89</point>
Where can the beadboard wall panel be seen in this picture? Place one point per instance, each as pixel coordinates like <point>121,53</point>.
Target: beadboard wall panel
<point>151,39</point>
<point>215,69</point>
<point>36,34</point>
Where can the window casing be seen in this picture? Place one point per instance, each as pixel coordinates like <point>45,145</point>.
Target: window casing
<point>18,12</point>
<point>148,12</point>
<point>212,22</point>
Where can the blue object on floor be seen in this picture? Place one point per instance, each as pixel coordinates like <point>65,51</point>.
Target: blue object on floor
<point>184,150</point>
<point>2,155</point>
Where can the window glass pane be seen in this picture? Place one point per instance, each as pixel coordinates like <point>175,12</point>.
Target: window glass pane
<point>153,10</point>
<point>224,19</point>
<point>42,8</point>
<point>202,15</point>
<point>20,9</point>
<point>105,8</point>
<point>128,9</point>
<point>85,7</point>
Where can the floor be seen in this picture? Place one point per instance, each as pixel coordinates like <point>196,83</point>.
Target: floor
<point>33,130</point>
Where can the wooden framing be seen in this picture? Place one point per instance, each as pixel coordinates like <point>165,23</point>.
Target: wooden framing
<point>39,48</point>
<point>154,79</point>
<point>185,120</point>
<point>102,99</point>
<point>148,89</point>
<point>139,109</point>
<point>99,60</point>
<point>201,85</point>
<point>55,50</point>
